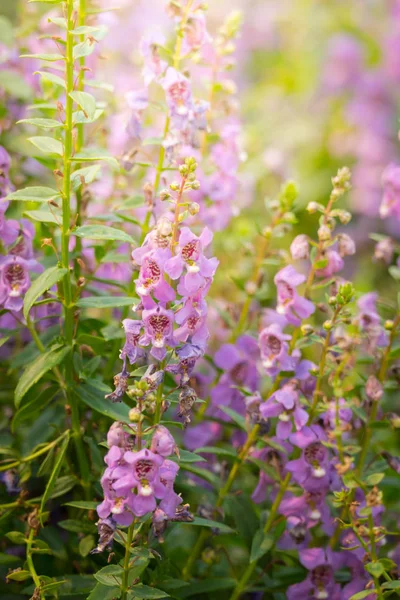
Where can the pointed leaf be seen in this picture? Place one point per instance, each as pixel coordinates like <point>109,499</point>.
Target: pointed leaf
<point>86,101</point>
<point>42,216</point>
<point>92,393</point>
<point>51,77</point>
<point>262,542</point>
<point>105,301</point>
<point>44,123</point>
<point>53,477</point>
<point>36,369</point>
<point>34,194</point>
<point>47,145</point>
<point>102,232</point>
<point>43,283</point>
<point>83,49</point>
<point>48,57</point>
<point>145,591</point>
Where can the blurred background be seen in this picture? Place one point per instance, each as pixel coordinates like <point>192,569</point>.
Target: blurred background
<point>318,88</point>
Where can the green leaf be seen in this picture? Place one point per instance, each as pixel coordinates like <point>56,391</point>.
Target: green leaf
<point>213,524</point>
<point>92,393</point>
<point>93,154</point>
<point>104,592</point>
<point>217,451</point>
<point>102,232</point>
<point>86,101</point>
<point>8,559</point>
<point>395,272</point>
<point>16,537</point>
<point>394,353</point>
<point>44,123</point>
<point>15,85</point>
<point>262,542</point>
<point>375,478</point>
<point>88,174</point>
<point>6,32</point>
<point>236,417</point>
<point>43,283</point>
<point>84,504</point>
<point>19,575</point>
<point>51,77</point>
<point>47,145</point>
<point>36,369</point>
<point>190,457</point>
<point>79,116</point>
<point>363,594</point>
<point>53,477</point>
<point>77,526</point>
<point>36,404</point>
<point>391,585</point>
<point>105,301</point>
<point>42,216</point>
<point>202,473</point>
<point>47,57</point>
<point>84,30</point>
<point>145,591</point>
<point>110,575</point>
<point>83,49</point>
<point>34,194</point>
<point>375,569</point>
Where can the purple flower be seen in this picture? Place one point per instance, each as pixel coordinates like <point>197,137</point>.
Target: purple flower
<point>274,349</point>
<point>8,228</point>
<point>285,405</point>
<point>133,333</point>
<point>390,204</point>
<point>15,280</point>
<point>294,307</point>
<point>335,264</point>
<point>320,582</point>
<point>311,507</point>
<point>313,470</point>
<point>192,317</point>
<point>158,331</point>
<point>189,255</point>
<point>344,415</point>
<point>151,277</point>
<point>153,65</point>
<point>178,94</point>
<point>274,458</point>
<point>188,356</point>
<point>369,320</point>
<point>162,442</point>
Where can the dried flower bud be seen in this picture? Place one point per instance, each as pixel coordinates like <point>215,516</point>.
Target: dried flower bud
<point>187,399</point>
<point>148,193</point>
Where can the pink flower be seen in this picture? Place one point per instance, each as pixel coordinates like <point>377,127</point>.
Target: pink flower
<point>158,330</point>
<point>294,307</point>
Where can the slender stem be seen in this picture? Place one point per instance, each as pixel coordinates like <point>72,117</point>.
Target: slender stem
<point>125,576</point>
<point>31,566</point>
<point>66,207</point>
<point>255,278</point>
<point>161,155</point>
<point>80,137</point>
<point>268,526</point>
<point>34,454</point>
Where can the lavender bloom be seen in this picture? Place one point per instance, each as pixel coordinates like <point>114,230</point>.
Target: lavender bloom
<point>162,442</point>
<point>294,307</point>
<point>133,333</point>
<point>153,65</point>
<point>190,256</point>
<point>335,264</point>
<point>391,192</point>
<point>311,507</point>
<point>188,356</point>
<point>369,320</point>
<point>275,459</point>
<point>320,582</point>
<point>158,331</point>
<point>15,280</point>
<point>313,470</point>
<point>8,228</point>
<point>151,277</point>
<point>192,317</point>
<point>285,405</point>
<point>178,94</point>
<point>274,349</point>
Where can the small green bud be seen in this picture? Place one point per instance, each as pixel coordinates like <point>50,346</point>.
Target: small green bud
<point>307,329</point>
<point>389,325</point>
<point>134,415</point>
<point>174,186</point>
<point>194,208</point>
<point>328,325</point>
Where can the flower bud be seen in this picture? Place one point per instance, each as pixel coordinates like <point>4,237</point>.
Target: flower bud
<point>299,248</point>
<point>346,245</point>
<point>194,208</point>
<point>312,207</point>
<point>195,185</point>
<point>324,233</point>
<point>134,415</point>
<point>373,388</point>
<point>164,195</point>
<point>307,329</point>
<point>328,325</point>
<point>388,325</point>
<point>174,186</point>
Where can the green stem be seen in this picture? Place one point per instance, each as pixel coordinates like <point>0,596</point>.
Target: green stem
<point>31,566</point>
<point>125,577</point>
<point>80,137</point>
<point>240,587</point>
<point>66,223</point>
<point>33,455</point>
